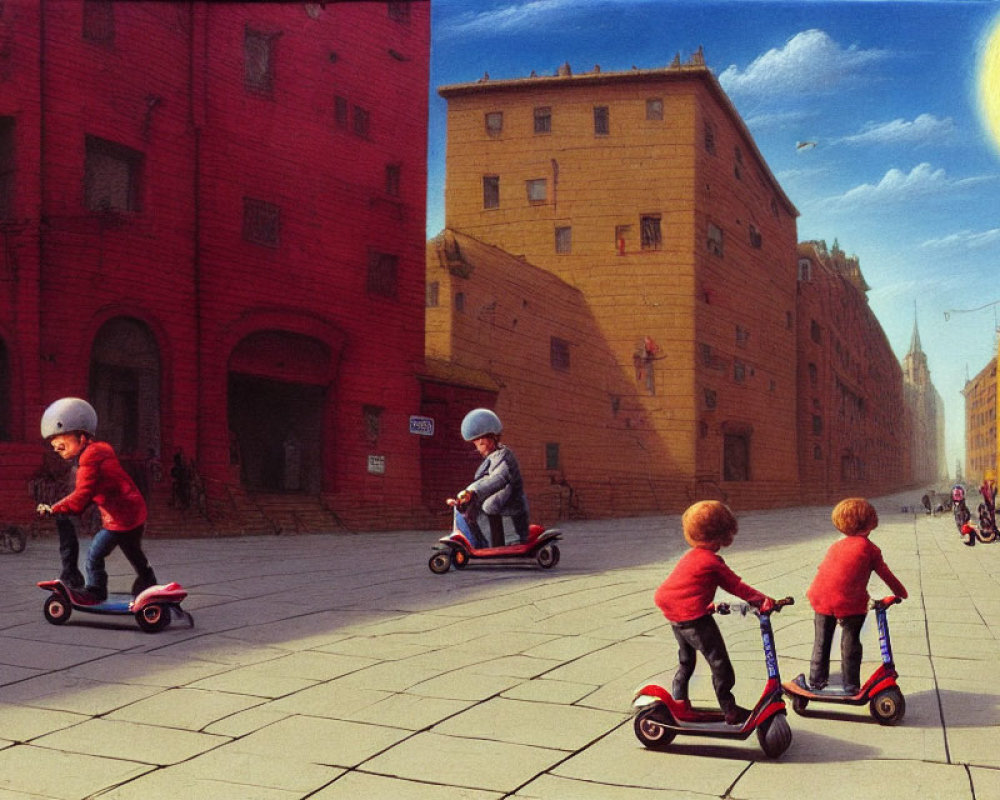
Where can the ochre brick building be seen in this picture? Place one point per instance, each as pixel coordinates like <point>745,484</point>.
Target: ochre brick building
<point>645,192</point>
<point>505,334</point>
<point>853,434</point>
<point>981,424</point>
<point>212,225</point>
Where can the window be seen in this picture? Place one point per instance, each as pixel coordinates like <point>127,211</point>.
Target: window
<point>491,191</point>
<point>494,123</point>
<point>737,163</point>
<point>756,240</point>
<point>99,21</point>
<point>602,121</point>
<point>537,190</point>
<point>6,167</point>
<point>392,172</point>
<point>710,137</point>
<point>372,416</point>
<point>815,333</point>
<point>817,453</point>
<point>654,108</point>
<point>652,239</point>
<point>711,400</point>
<point>739,372</point>
<point>543,120</point>
<point>817,424</point>
<point>258,65</point>
<point>261,222</point>
<point>742,336</point>
<point>383,269</point>
<point>621,234</point>
<point>805,269</point>
<point>552,455</point>
<point>736,457</point>
<point>714,239</point>
<point>431,291</point>
<point>559,354</point>
<point>111,176</point>
<point>340,111</point>
<point>361,121</point>
<point>813,374</point>
<point>460,301</point>
<point>564,240</point>
<point>399,11</point>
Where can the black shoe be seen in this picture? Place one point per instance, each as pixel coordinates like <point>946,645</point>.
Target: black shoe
<point>91,595</point>
<point>851,691</point>
<point>737,715</point>
<point>817,686</point>
<point>73,581</point>
<point>143,582</point>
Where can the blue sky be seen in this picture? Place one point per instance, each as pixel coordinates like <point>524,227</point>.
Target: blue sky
<point>904,173</point>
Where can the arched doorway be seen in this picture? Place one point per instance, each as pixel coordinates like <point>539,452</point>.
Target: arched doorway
<point>278,385</point>
<point>125,391</point>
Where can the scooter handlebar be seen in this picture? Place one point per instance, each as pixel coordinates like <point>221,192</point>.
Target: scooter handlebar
<point>744,608</point>
<point>885,602</point>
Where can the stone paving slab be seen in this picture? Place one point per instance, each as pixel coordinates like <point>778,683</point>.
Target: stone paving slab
<point>311,675</point>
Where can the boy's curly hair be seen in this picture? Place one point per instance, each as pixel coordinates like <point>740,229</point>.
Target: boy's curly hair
<point>708,521</point>
<point>854,515</point>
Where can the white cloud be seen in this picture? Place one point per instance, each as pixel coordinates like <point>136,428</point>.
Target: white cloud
<point>810,62</point>
<point>925,129</point>
<point>966,240</point>
<point>897,186</point>
<point>505,19</point>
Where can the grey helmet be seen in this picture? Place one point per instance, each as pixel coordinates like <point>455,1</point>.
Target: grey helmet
<point>479,422</point>
<point>69,414</point>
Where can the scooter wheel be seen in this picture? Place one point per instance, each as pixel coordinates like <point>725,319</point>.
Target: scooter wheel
<point>57,610</point>
<point>459,558</point>
<point>153,618</point>
<point>888,706</point>
<point>548,556</point>
<point>774,735</point>
<point>650,731</point>
<point>439,563</point>
<point>799,704</point>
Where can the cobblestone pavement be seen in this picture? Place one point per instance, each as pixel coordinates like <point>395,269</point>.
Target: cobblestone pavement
<point>338,666</point>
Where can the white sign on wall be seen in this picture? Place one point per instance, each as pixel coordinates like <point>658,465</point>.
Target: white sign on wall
<point>376,465</point>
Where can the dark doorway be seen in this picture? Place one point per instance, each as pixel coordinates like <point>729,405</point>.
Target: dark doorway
<point>5,421</point>
<point>277,429</point>
<point>125,392</point>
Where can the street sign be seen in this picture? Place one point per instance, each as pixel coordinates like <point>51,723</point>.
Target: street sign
<point>422,426</point>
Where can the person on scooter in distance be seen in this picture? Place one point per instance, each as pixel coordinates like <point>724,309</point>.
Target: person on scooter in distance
<point>839,593</point>
<point>686,600</point>
<point>497,489</point>
<point>69,425</point>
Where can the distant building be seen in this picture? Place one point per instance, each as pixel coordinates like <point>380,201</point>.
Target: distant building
<point>853,435</point>
<point>926,410</point>
<point>981,424</point>
<point>645,192</point>
<point>212,224</point>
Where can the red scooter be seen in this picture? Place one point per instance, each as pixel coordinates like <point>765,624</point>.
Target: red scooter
<point>660,718</point>
<point>152,608</point>
<point>457,549</point>
<point>885,700</point>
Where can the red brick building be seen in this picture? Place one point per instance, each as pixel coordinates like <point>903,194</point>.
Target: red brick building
<point>212,225</point>
<point>853,432</point>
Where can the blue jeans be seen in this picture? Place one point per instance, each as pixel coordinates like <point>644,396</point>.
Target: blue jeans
<point>130,542</point>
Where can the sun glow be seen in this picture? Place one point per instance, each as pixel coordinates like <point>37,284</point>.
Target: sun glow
<point>989,82</point>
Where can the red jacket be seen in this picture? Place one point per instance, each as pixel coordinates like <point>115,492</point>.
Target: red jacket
<point>840,588</point>
<point>689,590</point>
<point>100,479</point>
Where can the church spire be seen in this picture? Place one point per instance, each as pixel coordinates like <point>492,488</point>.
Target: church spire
<point>915,339</point>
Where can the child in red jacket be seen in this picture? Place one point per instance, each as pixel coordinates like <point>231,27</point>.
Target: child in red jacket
<point>70,425</point>
<point>686,599</point>
<point>839,592</point>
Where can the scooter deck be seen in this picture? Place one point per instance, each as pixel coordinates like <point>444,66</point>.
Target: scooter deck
<point>834,694</point>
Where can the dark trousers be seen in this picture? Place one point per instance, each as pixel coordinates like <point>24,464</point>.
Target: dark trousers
<point>130,542</point>
<point>702,635</point>
<point>850,650</point>
<point>69,551</point>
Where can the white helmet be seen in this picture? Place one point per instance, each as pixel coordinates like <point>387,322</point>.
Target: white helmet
<point>69,414</point>
<point>479,422</point>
